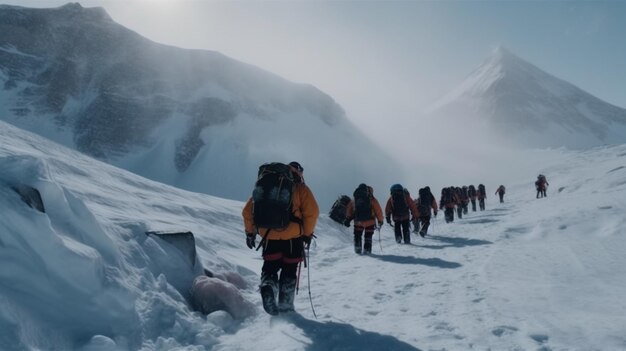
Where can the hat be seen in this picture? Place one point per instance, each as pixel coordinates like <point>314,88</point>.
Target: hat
<point>297,166</point>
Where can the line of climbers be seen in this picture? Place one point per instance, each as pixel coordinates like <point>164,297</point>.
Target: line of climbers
<point>459,198</point>
<point>367,214</point>
<point>453,199</point>
<point>283,212</point>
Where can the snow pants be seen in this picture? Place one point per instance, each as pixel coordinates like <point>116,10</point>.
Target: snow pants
<point>358,233</point>
<point>424,222</point>
<point>449,214</point>
<point>403,231</point>
<point>282,257</point>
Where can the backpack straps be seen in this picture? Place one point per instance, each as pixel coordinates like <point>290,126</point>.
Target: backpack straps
<point>263,239</point>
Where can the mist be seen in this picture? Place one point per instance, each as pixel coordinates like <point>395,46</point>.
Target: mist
<point>384,62</point>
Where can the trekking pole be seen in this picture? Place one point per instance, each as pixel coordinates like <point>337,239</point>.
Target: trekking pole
<point>308,274</point>
<point>298,279</point>
<point>379,241</point>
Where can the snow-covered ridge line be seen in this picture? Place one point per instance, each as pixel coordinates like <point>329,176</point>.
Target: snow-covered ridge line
<point>166,113</point>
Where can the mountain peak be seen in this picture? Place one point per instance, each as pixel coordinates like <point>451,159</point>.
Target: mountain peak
<point>72,6</point>
<point>503,60</point>
<point>508,93</point>
<point>502,52</point>
<point>92,13</point>
<point>70,10</point>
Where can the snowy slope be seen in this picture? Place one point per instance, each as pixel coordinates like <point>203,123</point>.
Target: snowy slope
<point>195,119</point>
<point>515,100</point>
<point>529,274</point>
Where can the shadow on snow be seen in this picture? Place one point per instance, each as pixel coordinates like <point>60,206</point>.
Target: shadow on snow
<point>432,262</point>
<point>481,221</point>
<point>454,242</point>
<point>340,336</point>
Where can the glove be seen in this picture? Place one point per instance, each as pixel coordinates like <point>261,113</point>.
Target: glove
<point>380,224</point>
<point>307,240</point>
<point>251,240</point>
<point>346,223</point>
<point>435,213</point>
<point>388,220</point>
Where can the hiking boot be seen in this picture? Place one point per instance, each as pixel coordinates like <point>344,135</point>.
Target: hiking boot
<point>422,233</point>
<point>407,238</point>
<point>357,244</point>
<point>269,300</point>
<point>367,245</point>
<point>286,296</point>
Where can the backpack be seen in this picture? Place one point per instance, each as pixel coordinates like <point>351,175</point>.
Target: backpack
<point>447,196</point>
<point>272,196</point>
<point>541,179</point>
<point>425,200</point>
<point>481,189</point>
<point>398,200</point>
<point>338,211</point>
<point>362,204</point>
<point>471,191</point>
<point>464,194</point>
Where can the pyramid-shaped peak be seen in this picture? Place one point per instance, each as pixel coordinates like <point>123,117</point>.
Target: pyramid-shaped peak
<point>502,52</point>
<point>508,93</point>
<point>503,57</point>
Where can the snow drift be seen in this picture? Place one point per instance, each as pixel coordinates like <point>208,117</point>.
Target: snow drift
<point>527,274</point>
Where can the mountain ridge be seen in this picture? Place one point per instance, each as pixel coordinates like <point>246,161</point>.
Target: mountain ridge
<point>77,77</point>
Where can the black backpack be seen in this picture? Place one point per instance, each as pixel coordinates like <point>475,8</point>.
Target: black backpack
<point>338,211</point>
<point>471,191</point>
<point>447,196</point>
<point>362,204</point>
<point>481,189</point>
<point>425,201</point>
<point>272,196</point>
<point>464,193</point>
<point>398,201</point>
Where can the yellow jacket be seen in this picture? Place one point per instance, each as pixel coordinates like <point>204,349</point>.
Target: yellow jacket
<point>304,207</point>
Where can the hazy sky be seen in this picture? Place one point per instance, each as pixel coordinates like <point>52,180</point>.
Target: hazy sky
<point>378,58</point>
